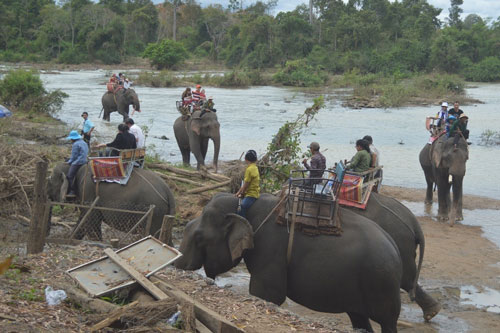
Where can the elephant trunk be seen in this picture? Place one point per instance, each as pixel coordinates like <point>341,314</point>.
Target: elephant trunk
<point>216,140</point>
<point>136,104</point>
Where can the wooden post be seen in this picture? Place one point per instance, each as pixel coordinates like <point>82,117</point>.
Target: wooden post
<point>166,229</point>
<point>38,227</point>
<point>151,211</point>
<point>292,226</point>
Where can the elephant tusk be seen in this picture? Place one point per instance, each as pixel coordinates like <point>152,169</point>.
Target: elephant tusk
<point>450,179</point>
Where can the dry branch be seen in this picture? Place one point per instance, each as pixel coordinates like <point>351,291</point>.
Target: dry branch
<point>209,187</point>
<point>180,179</point>
<point>200,174</point>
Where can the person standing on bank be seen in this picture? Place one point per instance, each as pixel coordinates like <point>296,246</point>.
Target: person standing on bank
<point>136,131</point>
<point>79,152</point>
<point>318,164</point>
<point>250,191</point>
<point>88,128</point>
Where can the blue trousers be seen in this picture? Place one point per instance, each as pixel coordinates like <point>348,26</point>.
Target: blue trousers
<point>246,203</point>
<point>73,169</point>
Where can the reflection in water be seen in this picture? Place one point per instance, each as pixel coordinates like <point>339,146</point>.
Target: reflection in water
<point>250,117</point>
<point>487,219</point>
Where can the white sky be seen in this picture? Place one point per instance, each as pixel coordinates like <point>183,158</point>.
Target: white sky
<point>483,8</point>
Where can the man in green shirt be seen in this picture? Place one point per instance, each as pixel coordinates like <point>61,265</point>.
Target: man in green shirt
<point>362,160</point>
<point>250,191</point>
<point>459,126</point>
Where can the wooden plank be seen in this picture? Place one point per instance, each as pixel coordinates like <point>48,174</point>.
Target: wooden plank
<point>166,229</point>
<point>52,203</point>
<point>114,316</point>
<point>38,227</point>
<point>208,188</point>
<point>211,319</point>
<point>201,328</point>
<point>292,227</point>
<point>141,279</point>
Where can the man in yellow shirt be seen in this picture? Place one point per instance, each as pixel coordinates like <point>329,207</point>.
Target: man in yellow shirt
<point>250,191</point>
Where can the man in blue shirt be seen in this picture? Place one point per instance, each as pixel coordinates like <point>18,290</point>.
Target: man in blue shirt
<point>79,153</point>
<point>88,127</point>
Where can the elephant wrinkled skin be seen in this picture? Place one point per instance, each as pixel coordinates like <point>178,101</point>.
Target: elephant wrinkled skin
<point>358,272</point>
<point>138,191</point>
<point>193,134</point>
<point>440,162</point>
<point>120,101</point>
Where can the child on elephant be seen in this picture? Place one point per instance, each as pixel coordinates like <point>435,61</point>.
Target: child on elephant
<point>250,191</point>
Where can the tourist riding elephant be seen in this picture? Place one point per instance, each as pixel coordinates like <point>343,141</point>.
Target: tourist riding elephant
<point>444,164</point>
<point>192,135</point>
<point>143,189</point>
<point>403,227</point>
<point>358,272</point>
<point>120,101</point>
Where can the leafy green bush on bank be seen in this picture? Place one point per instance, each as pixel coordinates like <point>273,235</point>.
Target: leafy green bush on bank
<point>23,90</point>
<point>300,74</point>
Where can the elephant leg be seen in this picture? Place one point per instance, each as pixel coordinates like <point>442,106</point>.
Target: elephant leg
<point>106,115</point>
<point>457,197</point>
<point>430,183</point>
<point>204,147</point>
<point>430,307</point>
<point>360,322</point>
<point>443,195</point>
<point>186,156</point>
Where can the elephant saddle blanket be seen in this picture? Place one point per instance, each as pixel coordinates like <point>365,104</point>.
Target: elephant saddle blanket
<point>110,169</point>
<point>353,193</point>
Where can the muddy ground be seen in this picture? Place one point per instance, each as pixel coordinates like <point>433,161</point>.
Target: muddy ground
<point>455,257</point>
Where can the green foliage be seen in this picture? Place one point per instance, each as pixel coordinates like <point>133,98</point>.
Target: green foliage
<point>165,54</point>
<point>72,56</point>
<point>487,70</point>
<point>24,90</point>
<point>284,151</point>
<point>299,73</point>
<point>32,295</point>
<point>162,79</point>
<point>490,137</point>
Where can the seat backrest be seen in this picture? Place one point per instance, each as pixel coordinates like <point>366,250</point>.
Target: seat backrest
<point>340,172</point>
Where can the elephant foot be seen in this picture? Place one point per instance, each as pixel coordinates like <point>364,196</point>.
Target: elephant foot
<point>428,202</point>
<point>432,311</point>
<point>442,218</point>
<point>459,218</point>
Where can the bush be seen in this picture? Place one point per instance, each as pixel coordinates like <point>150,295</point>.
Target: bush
<point>72,56</point>
<point>165,54</point>
<point>298,73</point>
<point>162,79</point>
<point>24,90</point>
<point>487,70</point>
<point>441,84</point>
<point>233,79</point>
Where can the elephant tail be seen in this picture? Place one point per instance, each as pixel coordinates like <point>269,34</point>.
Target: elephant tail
<point>100,112</point>
<point>420,240</point>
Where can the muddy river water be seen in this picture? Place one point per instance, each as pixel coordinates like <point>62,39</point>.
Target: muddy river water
<point>250,117</point>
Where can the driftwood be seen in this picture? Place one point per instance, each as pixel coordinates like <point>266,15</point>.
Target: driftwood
<point>180,179</point>
<point>209,187</point>
<point>114,316</point>
<point>211,319</point>
<point>200,174</point>
<point>4,316</point>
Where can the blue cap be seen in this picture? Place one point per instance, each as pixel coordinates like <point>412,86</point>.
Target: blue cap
<point>73,135</point>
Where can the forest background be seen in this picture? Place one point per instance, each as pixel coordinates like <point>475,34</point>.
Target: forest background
<point>397,39</point>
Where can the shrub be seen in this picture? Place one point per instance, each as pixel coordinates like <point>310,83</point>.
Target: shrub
<point>233,79</point>
<point>161,79</point>
<point>299,73</point>
<point>165,54</point>
<point>72,55</point>
<point>487,70</point>
<point>24,90</point>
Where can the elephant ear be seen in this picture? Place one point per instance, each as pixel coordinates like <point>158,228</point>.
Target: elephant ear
<point>64,187</point>
<point>196,126</point>
<point>239,234</point>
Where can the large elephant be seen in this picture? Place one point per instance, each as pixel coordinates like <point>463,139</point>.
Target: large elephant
<point>193,134</point>
<point>403,227</point>
<point>358,272</point>
<point>444,165</point>
<point>120,101</point>
<point>144,188</point>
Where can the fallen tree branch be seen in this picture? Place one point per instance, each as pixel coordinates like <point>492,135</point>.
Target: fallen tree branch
<point>81,299</point>
<point>209,187</point>
<point>114,316</point>
<point>22,188</point>
<point>201,174</point>
<point>180,179</point>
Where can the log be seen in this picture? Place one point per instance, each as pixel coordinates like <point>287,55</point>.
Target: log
<point>141,279</point>
<point>211,319</point>
<point>114,316</point>
<point>4,316</point>
<point>166,229</point>
<point>81,299</point>
<point>208,188</point>
<point>188,173</point>
<point>180,179</point>
<point>38,224</point>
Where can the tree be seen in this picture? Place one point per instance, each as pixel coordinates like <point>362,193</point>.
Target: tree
<point>455,11</point>
<point>165,54</point>
<point>216,22</point>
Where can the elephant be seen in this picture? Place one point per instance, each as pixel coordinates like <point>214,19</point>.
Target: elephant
<point>144,188</point>
<point>403,227</point>
<point>358,272</point>
<point>192,135</point>
<point>444,165</point>
<point>120,101</point>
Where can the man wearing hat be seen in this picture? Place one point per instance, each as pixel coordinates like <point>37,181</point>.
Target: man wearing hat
<point>79,153</point>
<point>88,127</point>
<point>459,127</point>
<point>318,164</point>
